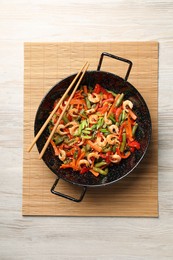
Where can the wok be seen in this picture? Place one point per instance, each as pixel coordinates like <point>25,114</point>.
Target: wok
<point>112,82</point>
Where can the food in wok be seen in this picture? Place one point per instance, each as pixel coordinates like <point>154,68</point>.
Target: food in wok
<point>97,130</point>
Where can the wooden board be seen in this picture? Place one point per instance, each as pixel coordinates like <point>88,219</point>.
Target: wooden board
<point>44,65</point>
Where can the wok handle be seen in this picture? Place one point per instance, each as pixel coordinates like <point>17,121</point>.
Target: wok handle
<point>117,58</point>
<point>65,195</point>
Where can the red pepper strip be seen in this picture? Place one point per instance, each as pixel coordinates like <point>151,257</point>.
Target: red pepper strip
<point>117,113</point>
<point>72,165</point>
<point>103,109</point>
<point>134,144</point>
<point>70,152</point>
<point>129,130</point>
<point>104,91</point>
<point>132,149</point>
<point>97,89</point>
<point>106,156</point>
<point>121,129</point>
<point>56,150</point>
<point>84,169</point>
<point>109,100</point>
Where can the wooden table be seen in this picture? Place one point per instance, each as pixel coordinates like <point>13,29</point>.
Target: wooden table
<point>74,237</point>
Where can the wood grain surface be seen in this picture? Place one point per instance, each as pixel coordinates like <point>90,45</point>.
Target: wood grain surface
<point>76,238</point>
<point>46,64</point>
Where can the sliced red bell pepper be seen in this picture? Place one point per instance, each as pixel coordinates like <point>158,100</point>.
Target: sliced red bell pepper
<point>103,109</point>
<point>97,89</point>
<point>134,144</point>
<point>84,169</point>
<point>117,113</point>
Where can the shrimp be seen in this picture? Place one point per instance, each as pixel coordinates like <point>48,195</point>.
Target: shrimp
<point>112,139</point>
<point>60,128</point>
<point>62,155</point>
<point>127,104</point>
<point>93,154</point>
<point>101,141</point>
<point>79,143</point>
<point>72,127</point>
<point>83,161</point>
<point>73,112</point>
<point>115,158</point>
<point>93,119</point>
<point>106,120</point>
<point>94,98</point>
<point>91,110</point>
<point>113,129</point>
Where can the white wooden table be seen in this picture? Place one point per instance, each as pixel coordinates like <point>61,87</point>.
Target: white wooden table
<point>81,238</point>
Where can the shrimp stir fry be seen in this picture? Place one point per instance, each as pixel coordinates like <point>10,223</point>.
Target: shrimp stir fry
<point>97,130</point>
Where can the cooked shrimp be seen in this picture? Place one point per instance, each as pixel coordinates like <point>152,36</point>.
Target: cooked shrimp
<point>93,119</point>
<point>93,154</point>
<point>62,155</point>
<point>94,98</point>
<point>80,142</point>
<point>73,112</point>
<point>91,110</point>
<point>72,127</point>
<point>115,158</point>
<point>83,161</point>
<point>127,104</point>
<point>60,128</point>
<point>113,129</point>
<point>101,141</point>
<point>106,120</point>
<point>112,139</point>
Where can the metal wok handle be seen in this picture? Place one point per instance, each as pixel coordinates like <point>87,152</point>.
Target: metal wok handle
<point>65,195</point>
<point>117,58</point>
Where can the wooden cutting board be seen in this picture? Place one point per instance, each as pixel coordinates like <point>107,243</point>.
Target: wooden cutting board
<point>44,65</point>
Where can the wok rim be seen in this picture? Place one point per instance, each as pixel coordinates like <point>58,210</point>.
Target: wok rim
<point>132,169</point>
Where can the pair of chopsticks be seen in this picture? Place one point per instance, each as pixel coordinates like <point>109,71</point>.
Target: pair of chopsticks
<point>82,70</point>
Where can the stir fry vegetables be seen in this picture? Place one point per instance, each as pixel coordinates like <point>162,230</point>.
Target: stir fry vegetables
<point>96,131</point>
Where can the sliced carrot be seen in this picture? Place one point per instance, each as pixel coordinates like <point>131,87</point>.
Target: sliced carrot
<point>65,166</point>
<point>81,156</point>
<point>94,146</point>
<point>94,172</point>
<point>77,101</point>
<point>113,105</point>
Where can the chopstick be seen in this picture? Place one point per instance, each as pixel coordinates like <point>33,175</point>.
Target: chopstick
<point>55,109</point>
<point>68,102</point>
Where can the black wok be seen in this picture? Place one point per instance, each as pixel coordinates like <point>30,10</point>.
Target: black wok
<point>112,82</point>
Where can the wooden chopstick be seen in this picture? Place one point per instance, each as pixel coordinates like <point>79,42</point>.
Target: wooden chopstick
<point>55,109</point>
<point>59,119</point>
